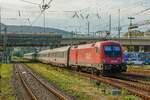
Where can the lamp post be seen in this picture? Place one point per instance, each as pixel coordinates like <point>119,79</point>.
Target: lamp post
<point>119,28</point>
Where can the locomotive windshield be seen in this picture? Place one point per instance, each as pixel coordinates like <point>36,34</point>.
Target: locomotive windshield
<point>112,50</point>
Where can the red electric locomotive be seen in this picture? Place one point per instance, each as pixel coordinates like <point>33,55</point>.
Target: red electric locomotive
<point>101,57</point>
<point>106,56</point>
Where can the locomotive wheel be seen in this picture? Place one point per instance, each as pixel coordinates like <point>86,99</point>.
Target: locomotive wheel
<point>102,73</point>
<point>92,71</point>
<point>78,68</point>
<point>97,72</point>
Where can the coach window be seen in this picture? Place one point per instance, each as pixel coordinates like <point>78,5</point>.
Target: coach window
<point>59,54</point>
<point>62,54</point>
<point>65,54</point>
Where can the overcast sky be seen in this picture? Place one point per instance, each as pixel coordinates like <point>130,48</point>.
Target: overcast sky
<point>60,14</point>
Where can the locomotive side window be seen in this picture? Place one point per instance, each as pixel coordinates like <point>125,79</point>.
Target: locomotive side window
<point>98,50</point>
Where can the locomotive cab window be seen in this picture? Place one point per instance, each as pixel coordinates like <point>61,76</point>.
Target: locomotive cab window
<point>112,50</point>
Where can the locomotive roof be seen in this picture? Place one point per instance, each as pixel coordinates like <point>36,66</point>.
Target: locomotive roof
<point>83,46</point>
<point>103,42</point>
<point>94,44</point>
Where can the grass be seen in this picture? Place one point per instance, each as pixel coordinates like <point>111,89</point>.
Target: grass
<point>131,97</point>
<point>75,85</point>
<point>5,82</point>
<point>139,66</point>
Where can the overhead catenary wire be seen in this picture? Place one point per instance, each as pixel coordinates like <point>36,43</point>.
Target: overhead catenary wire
<point>30,2</point>
<point>135,14</point>
<point>125,8</point>
<point>82,13</point>
<point>143,11</point>
<point>49,2</point>
<point>36,19</point>
<point>43,6</point>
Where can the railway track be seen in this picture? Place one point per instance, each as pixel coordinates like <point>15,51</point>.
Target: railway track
<point>137,75</point>
<point>134,88</point>
<point>138,87</point>
<point>134,77</point>
<point>35,87</point>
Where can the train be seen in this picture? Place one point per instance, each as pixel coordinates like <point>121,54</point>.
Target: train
<point>137,58</point>
<point>146,58</point>
<point>98,58</point>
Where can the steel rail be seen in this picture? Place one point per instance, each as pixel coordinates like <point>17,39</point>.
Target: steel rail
<point>33,97</point>
<point>134,90</point>
<point>59,95</point>
<point>143,85</point>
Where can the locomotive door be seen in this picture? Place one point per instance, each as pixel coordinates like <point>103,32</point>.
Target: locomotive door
<point>76,57</point>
